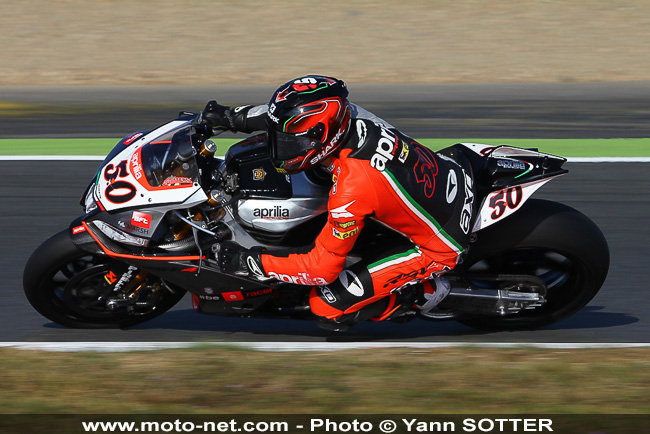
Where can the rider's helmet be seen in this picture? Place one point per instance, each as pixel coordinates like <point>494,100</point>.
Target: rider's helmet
<point>308,119</point>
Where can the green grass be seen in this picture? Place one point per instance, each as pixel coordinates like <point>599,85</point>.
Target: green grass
<point>222,380</point>
<point>562,147</point>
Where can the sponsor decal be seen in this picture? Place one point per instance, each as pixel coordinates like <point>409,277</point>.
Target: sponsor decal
<point>110,278</point>
<point>132,228</point>
<point>190,270</point>
<point>78,229</point>
<point>136,167</point>
<point>342,211</point>
<point>452,186</point>
<point>254,267</point>
<point>259,293</point>
<point>177,180</point>
<point>132,138</point>
<point>345,225</point>
<point>335,179</point>
<point>327,294</point>
<point>362,132</point>
<point>208,291</point>
<point>344,235</point>
<point>121,236</point>
<point>407,277</point>
<point>466,213</point>
<point>323,153</point>
<point>352,283</point>
<point>126,278</point>
<point>275,213</point>
<point>386,148</point>
<point>259,174</point>
<point>273,118</point>
<point>425,170</point>
<point>300,279</point>
<point>233,296</point>
<point>141,220</point>
<point>209,297</point>
<point>404,154</point>
<point>512,164</point>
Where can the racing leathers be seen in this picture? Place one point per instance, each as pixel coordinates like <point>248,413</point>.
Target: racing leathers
<point>379,174</point>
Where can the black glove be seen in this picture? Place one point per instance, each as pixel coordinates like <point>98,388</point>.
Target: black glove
<point>238,260</point>
<point>217,116</point>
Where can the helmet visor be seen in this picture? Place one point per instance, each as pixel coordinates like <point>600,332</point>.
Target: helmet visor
<point>286,146</point>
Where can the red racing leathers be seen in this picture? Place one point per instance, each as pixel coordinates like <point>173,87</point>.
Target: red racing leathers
<point>384,175</point>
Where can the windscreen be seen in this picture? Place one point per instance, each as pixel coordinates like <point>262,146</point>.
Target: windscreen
<point>169,160</point>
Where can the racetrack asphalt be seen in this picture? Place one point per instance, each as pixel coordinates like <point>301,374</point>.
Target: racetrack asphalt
<point>40,198</point>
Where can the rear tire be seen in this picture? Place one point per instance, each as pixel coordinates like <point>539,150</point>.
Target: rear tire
<point>553,241</point>
<point>66,285</point>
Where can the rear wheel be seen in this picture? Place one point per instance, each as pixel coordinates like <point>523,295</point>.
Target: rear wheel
<point>78,289</point>
<point>551,241</point>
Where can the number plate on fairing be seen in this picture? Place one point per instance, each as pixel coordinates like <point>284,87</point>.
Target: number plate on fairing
<point>502,203</point>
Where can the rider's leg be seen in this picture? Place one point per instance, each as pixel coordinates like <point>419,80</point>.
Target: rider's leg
<point>375,289</point>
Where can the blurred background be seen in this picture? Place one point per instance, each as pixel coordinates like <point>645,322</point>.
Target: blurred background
<point>248,42</point>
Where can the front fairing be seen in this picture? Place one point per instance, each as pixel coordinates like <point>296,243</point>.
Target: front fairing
<point>153,170</point>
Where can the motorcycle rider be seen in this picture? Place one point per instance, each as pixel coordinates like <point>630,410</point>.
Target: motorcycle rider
<point>378,173</point>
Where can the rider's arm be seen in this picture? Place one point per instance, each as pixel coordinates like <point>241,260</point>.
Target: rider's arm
<point>321,262</point>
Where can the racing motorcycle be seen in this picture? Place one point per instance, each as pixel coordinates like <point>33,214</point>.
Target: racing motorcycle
<point>161,200</point>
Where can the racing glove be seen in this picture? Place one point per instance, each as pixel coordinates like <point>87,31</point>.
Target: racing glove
<point>221,117</point>
<point>235,259</point>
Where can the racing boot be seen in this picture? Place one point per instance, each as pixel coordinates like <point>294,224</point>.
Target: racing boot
<point>433,292</point>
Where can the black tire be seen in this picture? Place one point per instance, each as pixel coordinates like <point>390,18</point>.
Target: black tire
<point>61,282</point>
<point>556,243</point>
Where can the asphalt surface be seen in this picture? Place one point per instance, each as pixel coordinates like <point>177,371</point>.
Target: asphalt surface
<point>41,198</point>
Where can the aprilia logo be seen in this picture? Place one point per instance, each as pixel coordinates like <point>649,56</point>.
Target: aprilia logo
<point>511,164</point>
<point>300,279</point>
<point>386,148</point>
<point>277,212</point>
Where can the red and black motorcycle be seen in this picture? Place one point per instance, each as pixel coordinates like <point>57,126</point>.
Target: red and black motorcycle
<point>161,199</point>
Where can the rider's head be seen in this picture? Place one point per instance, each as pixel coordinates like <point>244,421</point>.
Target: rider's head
<point>308,119</point>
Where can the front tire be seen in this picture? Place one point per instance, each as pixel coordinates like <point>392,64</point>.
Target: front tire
<point>69,286</point>
<point>549,240</point>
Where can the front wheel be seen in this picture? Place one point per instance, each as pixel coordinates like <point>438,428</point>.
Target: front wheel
<point>551,241</point>
<point>78,289</point>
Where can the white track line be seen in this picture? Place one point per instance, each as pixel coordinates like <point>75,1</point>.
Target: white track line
<point>101,158</point>
<point>300,346</point>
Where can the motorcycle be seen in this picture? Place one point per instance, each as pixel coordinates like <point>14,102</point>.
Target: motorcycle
<point>161,199</point>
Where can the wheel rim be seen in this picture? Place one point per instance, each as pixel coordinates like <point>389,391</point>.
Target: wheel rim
<point>87,292</point>
<point>560,273</point>
<point>79,289</point>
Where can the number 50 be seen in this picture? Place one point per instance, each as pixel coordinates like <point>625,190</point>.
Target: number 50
<point>510,198</point>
